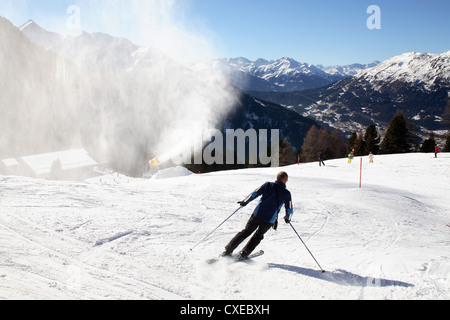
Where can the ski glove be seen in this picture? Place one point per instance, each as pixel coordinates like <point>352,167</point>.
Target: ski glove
<point>287,219</point>
<point>243,203</point>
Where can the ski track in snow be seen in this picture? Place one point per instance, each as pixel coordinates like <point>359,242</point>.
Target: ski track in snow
<point>131,238</point>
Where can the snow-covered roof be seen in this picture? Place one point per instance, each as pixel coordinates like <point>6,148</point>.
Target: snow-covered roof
<point>10,162</point>
<point>71,159</point>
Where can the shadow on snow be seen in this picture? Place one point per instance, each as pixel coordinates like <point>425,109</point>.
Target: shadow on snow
<point>342,277</point>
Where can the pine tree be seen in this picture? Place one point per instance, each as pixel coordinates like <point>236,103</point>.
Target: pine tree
<point>447,144</point>
<point>310,149</point>
<point>446,117</point>
<point>287,153</point>
<point>351,143</point>
<point>429,144</point>
<point>359,145</point>
<point>337,146</point>
<point>323,143</point>
<point>372,140</point>
<point>396,139</point>
<point>316,141</point>
<point>413,140</point>
<point>331,144</point>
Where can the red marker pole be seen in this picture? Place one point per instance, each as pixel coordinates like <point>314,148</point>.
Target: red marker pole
<point>360,173</point>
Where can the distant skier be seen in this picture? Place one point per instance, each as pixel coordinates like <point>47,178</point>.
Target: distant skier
<point>370,157</point>
<point>265,216</point>
<point>351,156</point>
<point>321,159</point>
<point>436,151</point>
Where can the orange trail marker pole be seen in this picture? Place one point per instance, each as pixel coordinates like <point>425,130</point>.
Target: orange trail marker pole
<point>360,173</point>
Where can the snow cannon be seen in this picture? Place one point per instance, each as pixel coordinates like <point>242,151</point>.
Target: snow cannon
<point>154,162</point>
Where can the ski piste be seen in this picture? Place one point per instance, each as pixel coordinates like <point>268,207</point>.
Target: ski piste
<point>236,258</point>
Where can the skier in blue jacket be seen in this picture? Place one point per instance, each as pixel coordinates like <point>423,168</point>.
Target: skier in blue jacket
<point>273,197</point>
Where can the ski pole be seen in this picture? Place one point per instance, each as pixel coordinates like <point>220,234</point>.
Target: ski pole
<point>306,246</point>
<point>216,228</point>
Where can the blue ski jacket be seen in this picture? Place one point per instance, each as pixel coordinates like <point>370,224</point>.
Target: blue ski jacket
<point>274,196</point>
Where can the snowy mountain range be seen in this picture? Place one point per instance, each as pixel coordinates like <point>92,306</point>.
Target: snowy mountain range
<point>285,74</point>
<point>98,51</point>
<point>348,98</point>
<point>416,83</point>
<point>427,70</point>
<point>103,51</point>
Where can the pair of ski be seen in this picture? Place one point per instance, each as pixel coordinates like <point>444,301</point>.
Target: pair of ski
<point>237,258</point>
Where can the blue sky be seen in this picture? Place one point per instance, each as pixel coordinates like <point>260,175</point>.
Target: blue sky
<point>328,32</point>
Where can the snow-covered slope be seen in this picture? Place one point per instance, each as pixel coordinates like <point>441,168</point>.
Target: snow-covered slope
<point>269,69</point>
<point>131,239</point>
<point>348,70</point>
<point>424,69</point>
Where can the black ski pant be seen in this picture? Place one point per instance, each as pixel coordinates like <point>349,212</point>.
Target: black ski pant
<point>253,224</point>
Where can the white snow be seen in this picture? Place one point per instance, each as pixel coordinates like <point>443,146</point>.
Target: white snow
<point>10,162</point>
<point>171,173</point>
<point>411,67</point>
<point>289,67</point>
<point>274,69</point>
<point>70,159</point>
<point>132,240</point>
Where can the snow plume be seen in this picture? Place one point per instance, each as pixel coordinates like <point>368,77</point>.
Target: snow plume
<point>163,24</point>
<point>183,104</point>
<point>172,104</point>
<point>124,102</point>
<point>40,101</point>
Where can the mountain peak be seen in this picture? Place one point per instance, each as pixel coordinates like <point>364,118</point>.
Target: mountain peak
<point>284,74</point>
<point>411,67</point>
<point>31,25</point>
<point>26,24</point>
<point>39,35</point>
